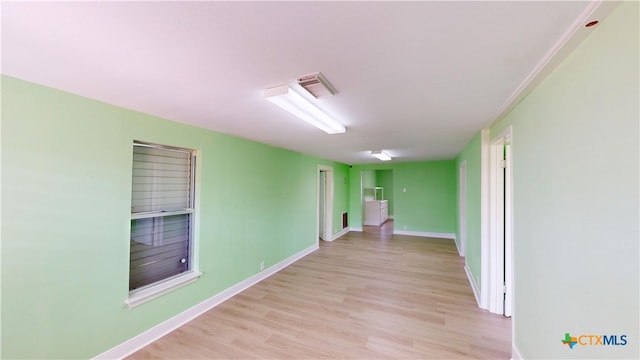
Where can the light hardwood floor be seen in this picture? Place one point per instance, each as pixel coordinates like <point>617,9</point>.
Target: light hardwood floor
<point>366,295</point>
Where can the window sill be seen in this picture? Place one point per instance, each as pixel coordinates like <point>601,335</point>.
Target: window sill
<point>143,295</point>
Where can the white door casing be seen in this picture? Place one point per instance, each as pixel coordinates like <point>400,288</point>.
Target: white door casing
<point>462,221</point>
<point>321,204</point>
<point>508,232</point>
<point>497,248</point>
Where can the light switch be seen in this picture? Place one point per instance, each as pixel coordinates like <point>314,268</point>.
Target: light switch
<point>404,189</point>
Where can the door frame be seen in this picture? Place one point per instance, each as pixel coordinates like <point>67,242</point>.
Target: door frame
<point>497,247</point>
<point>462,206</point>
<point>322,198</point>
<point>328,202</point>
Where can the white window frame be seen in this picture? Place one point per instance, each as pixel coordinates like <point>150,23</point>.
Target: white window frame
<point>152,291</point>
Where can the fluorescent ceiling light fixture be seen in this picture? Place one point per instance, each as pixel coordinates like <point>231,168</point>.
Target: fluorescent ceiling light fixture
<point>381,155</point>
<point>289,100</point>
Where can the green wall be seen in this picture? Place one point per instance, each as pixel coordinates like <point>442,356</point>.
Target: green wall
<point>66,182</point>
<point>576,198</point>
<point>429,203</point>
<point>66,174</point>
<point>471,157</point>
<point>379,178</point>
<point>368,179</point>
<point>340,193</point>
<point>384,178</point>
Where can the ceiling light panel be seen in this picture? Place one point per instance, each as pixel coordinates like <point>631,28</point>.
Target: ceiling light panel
<point>296,104</point>
<point>381,155</point>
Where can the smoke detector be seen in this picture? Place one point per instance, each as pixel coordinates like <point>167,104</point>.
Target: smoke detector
<point>317,85</point>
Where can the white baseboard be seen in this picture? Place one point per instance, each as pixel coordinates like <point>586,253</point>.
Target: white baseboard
<point>341,233</point>
<point>358,229</point>
<point>458,248</point>
<point>515,354</point>
<point>426,234</point>
<point>147,337</point>
<point>474,286</point>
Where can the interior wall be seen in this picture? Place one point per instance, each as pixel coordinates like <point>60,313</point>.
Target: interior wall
<point>384,178</point>
<point>368,179</point>
<point>471,154</point>
<point>66,186</point>
<point>340,193</point>
<point>576,198</point>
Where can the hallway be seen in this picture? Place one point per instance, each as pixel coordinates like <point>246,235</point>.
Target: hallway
<point>368,294</point>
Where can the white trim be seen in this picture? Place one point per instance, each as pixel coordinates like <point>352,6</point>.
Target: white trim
<point>147,337</point>
<point>508,230</point>
<point>472,283</point>
<point>451,236</point>
<point>341,233</point>
<point>197,189</point>
<point>462,207</point>
<point>354,228</point>
<point>484,217</point>
<point>515,354</point>
<point>457,248</point>
<point>322,203</point>
<point>498,246</point>
<point>496,251</point>
<point>504,136</point>
<point>362,197</point>
<point>152,291</point>
<point>140,296</point>
<point>570,40</point>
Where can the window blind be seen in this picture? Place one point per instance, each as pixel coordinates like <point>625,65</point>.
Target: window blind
<point>161,179</point>
<point>161,212</point>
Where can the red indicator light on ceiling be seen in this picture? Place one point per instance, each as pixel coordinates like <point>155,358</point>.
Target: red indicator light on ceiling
<point>592,23</point>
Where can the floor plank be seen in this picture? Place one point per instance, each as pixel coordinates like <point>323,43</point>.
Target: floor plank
<point>367,295</point>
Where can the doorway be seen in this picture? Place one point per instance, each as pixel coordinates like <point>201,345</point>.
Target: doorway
<point>500,244</point>
<point>325,203</point>
<point>462,205</point>
<point>376,196</point>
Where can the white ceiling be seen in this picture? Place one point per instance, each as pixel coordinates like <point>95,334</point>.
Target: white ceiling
<point>417,79</point>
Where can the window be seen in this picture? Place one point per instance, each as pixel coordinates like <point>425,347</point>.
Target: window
<point>162,211</point>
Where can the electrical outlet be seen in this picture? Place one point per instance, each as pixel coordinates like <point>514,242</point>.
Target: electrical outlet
<point>261,265</point>
<point>404,227</point>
